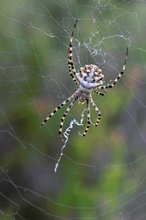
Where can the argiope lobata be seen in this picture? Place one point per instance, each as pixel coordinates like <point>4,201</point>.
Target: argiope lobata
<point>88,80</point>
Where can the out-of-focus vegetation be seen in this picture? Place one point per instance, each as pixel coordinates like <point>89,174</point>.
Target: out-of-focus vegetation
<point>100,176</point>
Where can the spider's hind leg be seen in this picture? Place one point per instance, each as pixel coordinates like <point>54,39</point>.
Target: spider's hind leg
<point>72,71</point>
<point>113,82</point>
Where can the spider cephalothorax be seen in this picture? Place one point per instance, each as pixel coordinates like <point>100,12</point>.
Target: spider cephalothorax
<point>88,80</point>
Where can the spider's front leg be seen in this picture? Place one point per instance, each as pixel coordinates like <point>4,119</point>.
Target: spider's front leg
<point>98,112</point>
<point>66,113</point>
<point>101,93</point>
<point>88,118</point>
<point>58,108</point>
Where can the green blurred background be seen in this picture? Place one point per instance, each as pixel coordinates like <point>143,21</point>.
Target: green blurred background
<point>101,176</point>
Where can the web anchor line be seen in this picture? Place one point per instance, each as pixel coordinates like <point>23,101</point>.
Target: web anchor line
<point>66,135</point>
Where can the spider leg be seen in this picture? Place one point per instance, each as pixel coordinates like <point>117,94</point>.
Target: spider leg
<point>66,113</point>
<point>112,83</point>
<point>88,118</point>
<point>98,112</point>
<point>101,93</point>
<point>71,67</point>
<point>58,108</point>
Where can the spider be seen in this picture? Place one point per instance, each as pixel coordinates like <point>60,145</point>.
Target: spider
<point>88,80</point>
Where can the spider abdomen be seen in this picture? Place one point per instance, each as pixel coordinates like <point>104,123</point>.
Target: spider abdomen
<point>85,85</point>
<point>89,78</point>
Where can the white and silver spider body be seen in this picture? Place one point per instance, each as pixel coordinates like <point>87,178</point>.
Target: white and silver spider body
<point>88,80</point>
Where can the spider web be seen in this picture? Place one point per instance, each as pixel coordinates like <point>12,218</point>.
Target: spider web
<point>101,176</point>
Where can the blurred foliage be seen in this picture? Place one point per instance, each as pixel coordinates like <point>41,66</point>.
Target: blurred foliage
<point>95,178</point>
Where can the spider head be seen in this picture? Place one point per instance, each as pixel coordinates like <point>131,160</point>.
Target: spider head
<point>83,97</point>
